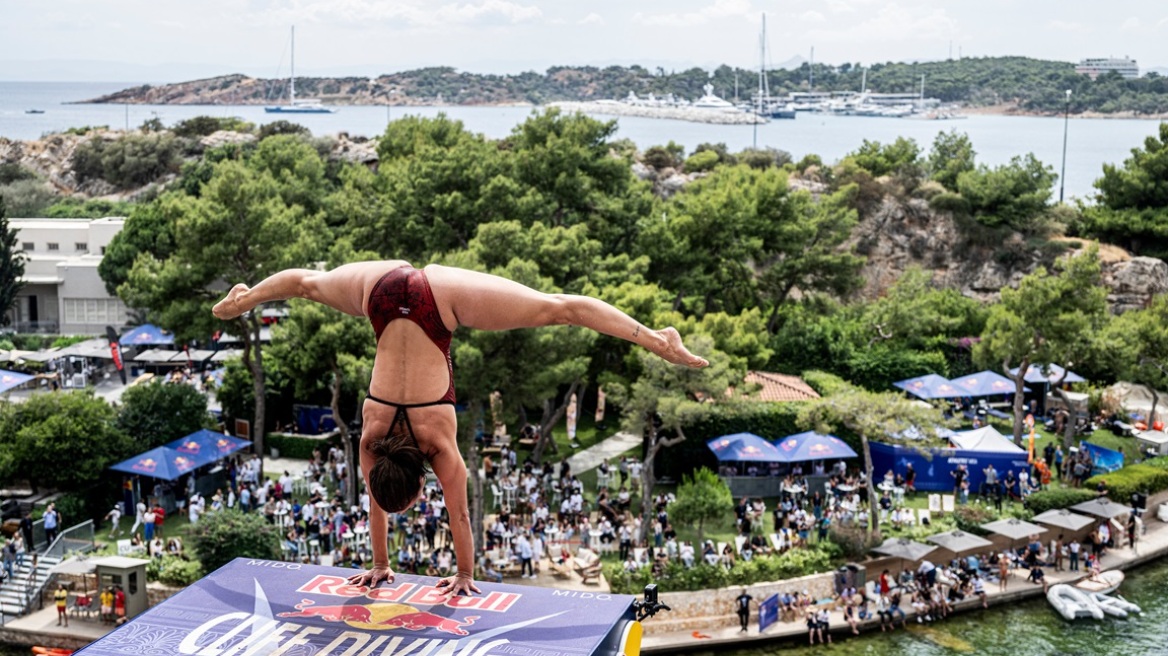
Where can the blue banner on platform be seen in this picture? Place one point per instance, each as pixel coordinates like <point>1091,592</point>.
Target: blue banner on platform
<point>1106,460</point>
<point>768,612</point>
<point>933,466</point>
<point>272,607</point>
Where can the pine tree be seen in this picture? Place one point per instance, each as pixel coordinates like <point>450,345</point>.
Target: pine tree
<point>11,267</point>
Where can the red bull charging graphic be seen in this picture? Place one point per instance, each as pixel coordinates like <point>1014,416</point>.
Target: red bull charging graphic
<point>254,607</point>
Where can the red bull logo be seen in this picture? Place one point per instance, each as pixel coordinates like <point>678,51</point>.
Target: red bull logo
<point>819,450</point>
<point>382,616</point>
<point>146,465</point>
<point>789,445</point>
<point>182,463</point>
<point>411,594</point>
<point>189,446</point>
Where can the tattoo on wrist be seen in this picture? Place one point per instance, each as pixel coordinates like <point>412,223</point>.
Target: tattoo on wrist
<point>637,331</point>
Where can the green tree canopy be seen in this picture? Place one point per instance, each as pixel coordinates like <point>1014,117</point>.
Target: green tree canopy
<point>1015,195</point>
<point>224,535</point>
<point>154,414</point>
<point>12,262</point>
<point>952,155</point>
<point>701,497</point>
<point>1132,207</point>
<point>1049,318</point>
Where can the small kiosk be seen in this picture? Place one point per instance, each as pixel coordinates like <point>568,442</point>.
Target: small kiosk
<point>130,575</point>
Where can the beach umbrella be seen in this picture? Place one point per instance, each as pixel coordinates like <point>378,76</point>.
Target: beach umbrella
<point>810,445</point>
<point>1063,518</point>
<point>1102,507</point>
<point>743,447</point>
<point>1048,373</point>
<point>155,355</point>
<point>929,386</point>
<point>206,446</point>
<point>81,566</point>
<point>10,379</point>
<point>959,541</point>
<point>904,549</point>
<point>1014,529</point>
<point>160,462</point>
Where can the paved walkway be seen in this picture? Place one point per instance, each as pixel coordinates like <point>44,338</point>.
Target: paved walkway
<point>1152,546</point>
<point>610,448</point>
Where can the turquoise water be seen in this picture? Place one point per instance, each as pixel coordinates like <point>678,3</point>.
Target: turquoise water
<point>1027,629</point>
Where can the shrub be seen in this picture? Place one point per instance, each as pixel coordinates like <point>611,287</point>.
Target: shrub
<point>706,160</point>
<point>1158,463</point>
<point>225,535</point>
<point>27,198</point>
<point>663,157</point>
<point>129,162</point>
<point>790,564</point>
<point>854,542</point>
<point>1123,483</point>
<point>12,172</point>
<point>281,127</point>
<point>293,446</point>
<point>826,384</point>
<point>174,570</point>
<point>201,126</point>
<point>763,158</point>
<point>970,519</point>
<point>1040,502</point>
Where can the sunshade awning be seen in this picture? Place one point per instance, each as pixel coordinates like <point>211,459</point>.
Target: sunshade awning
<point>743,447</point>
<point>959,541</point>
<point>1102,507</point>
<point>810,445</point>
<point>1063,518</point>
<point>1015,529</point>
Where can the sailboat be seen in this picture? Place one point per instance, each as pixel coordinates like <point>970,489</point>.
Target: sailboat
<point>303,105</point>
<point>767,106</point>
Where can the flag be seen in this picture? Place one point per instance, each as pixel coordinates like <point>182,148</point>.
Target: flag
<point>116,351</point>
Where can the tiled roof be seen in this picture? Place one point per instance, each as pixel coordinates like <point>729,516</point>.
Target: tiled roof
<point>780,387</point>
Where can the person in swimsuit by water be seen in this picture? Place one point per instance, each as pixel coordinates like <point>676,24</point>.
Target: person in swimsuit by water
<point>408,417</point>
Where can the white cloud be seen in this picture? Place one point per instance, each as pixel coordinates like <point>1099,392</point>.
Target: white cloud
<point>719,9</point>
<point>891,23</point>
<point>405,12</point>
<point>811,16</point>
<point>591,19</point>
<point>1073,27</point>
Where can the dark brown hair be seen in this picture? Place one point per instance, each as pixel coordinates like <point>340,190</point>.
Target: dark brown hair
<point>395,479</point>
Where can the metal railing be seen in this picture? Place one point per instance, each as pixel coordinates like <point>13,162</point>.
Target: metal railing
<point>78,538</point>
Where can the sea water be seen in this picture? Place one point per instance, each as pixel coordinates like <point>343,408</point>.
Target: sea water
<point>1091,143</point>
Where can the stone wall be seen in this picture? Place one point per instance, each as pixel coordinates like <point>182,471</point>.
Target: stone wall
<point>705,609</point>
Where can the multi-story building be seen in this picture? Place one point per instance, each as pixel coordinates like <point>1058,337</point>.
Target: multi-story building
<point>63,293</point>
<point>1093,68</point>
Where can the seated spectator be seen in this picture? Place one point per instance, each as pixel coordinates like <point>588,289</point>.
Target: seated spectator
<point>687,554</point>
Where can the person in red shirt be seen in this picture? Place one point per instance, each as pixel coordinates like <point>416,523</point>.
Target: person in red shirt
<point>119,604</point>
<point>159,517</point>
<point>885,586</point>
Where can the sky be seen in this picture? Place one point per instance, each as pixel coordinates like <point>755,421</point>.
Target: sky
<point>175,40</point>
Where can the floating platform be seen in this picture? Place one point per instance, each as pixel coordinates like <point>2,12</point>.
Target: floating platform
<point>271,608</point>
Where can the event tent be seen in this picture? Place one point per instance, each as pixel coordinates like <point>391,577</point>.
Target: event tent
<point>983,383</point>
<point>160,462</point>
<point>986,438</point>
<point>810,445</point>
<point>146,335</point>
<point>743,447</point>
<point>207,446</point>
<point>1048,374</point>
<point>929,386</point>
<point>11,379</point>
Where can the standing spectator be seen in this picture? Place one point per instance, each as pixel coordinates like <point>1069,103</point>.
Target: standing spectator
<point>148,524</point>
<point>622,468</point>
<point>958,478</point>
<point>626,540</point>
<point>61,598</point>
<point>159,518</point>
<point>910,480</point>
<point>52,525</point>
<point>114,516</point>
<point>139,511</point>
<point>193,510</point>
<point>9,557</point>
<point>26,531</point>
<point>525,556</point>
<point>743,605</point>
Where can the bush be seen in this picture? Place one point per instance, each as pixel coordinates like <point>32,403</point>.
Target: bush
<point>27,198</point>
<point>662,157</point>
<point>292,446</point>
<point>790,564</point>
<point>174,570</point>
<point>826,384</point>
<point>225,535</point>
<point>854,542</point>
<point>281,126</point>
<point>12,172</point>
<point>706,160</point>
<point>1040,502</point>
<point>764,158</point>
<point>1123,483</point>
<point>201,126</point>
<point>970,519</point>
<point>128,162</point>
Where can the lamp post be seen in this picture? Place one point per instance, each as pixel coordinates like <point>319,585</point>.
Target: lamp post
<point>1066,123</point>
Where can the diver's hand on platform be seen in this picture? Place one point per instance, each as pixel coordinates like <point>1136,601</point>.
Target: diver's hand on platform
<point>372,577</point>
<point>459,583</point>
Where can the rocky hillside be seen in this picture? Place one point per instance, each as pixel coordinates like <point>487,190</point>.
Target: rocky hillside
<point>894,235</point>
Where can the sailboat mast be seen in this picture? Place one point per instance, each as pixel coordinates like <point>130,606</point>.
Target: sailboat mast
<point>811,71</point>
<point>763,85</point>
<point>292,79</point>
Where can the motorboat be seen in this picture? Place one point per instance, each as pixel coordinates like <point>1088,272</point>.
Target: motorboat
<point>710,101</point>
<point>1114,606</point>
<point>1072,603</point>
<point>302,105</point>
<point>1105,583</point>
<point>34,111</point>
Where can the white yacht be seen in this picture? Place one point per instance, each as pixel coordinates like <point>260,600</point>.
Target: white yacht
<point>710,101</point>
<point>302,105</point>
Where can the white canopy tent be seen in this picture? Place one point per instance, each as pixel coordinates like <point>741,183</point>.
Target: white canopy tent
<point>986,438</point>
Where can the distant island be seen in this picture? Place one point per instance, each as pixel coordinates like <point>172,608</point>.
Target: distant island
<point>1003,84</point>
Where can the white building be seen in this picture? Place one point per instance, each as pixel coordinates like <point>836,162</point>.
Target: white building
<point>63,294</point>
<point>1093,68</point>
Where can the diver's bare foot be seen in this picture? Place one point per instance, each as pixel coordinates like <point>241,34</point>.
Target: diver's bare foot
<point>676,352</point>
<point>229,308</point>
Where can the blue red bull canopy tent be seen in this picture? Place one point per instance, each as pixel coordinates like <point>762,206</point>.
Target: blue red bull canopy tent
<point>161,462</point>
<point>270,607</point>
<point>929,386</point>
<point>983,383</point>
<point>146,335</point>
<point>207,446</point>
<point>743,447</point>
<point>810,445</point>
<point>11,379</point>
<point>1049,374</point>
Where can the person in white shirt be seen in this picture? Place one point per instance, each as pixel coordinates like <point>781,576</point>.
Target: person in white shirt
<point>194,509</point>
<point>115,516</point>
<point>140,510</point>
<point>286,484</point>
<point>364,501</point>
